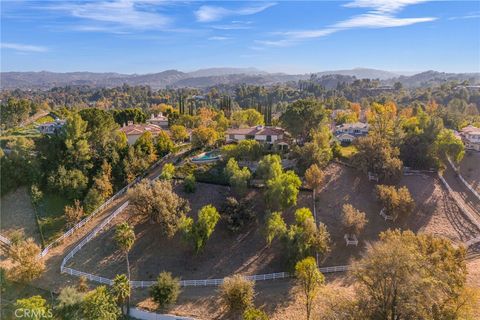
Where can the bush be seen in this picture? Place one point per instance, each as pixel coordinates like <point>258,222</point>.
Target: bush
<point>165,292</point>
<point>237,293</point>
<point>189,184</point>
<point>237,213</point>
<point>254,314</point>
<point>168,171</point>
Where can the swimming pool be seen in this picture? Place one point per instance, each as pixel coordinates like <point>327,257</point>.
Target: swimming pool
<point>207,157</point>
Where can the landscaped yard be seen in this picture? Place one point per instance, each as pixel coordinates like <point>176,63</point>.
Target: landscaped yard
<point>346,152</point>
<point>247,253</point>
<point>51,218</point>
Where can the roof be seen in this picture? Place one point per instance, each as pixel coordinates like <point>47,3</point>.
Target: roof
<point>471,130</point>
<point>137,129</point>
<point>355,125</point>
<point>259,130</point>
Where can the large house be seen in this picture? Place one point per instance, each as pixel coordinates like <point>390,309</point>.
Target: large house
<point>159,120</point>
<point>134,131</point>
<point>51,127</point>
<point>263,134</point>
<point>471,137</point>
<point>348,132</point>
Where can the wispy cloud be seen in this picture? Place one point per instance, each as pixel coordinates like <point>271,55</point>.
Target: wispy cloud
<point>382,14</point>
<point>128,14</point>
<point>208,13</point>
<point>219,38</point>
<point>23,47</point>
<point>234,25</point>
<point>471,15</point>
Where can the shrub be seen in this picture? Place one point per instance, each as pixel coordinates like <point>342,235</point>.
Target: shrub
<point>397,202</point>
<point>237,293</point>
<point>165,292</point>
<point>168,171</point>
<point>237,213</point>
<point>189,184</point>
<point>254,314</point>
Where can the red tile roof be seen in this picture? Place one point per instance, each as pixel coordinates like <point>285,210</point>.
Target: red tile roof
<point>137,129</point>
<point>259,130</point>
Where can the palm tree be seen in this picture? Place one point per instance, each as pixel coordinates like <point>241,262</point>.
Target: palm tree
<point>125,237</point>
<point>121,290</point>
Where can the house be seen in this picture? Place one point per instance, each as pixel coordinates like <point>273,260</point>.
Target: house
<point>134,131</point>
<point>348,132</point>
<point>263,134</point>
<point>159,120</point>
<point>51,127</point>
<point>471,137</point>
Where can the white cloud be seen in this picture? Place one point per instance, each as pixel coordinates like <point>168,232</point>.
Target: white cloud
<point>381,15</point>
<point>130,14</point>
<point>219,38</point>
<point>23,47</point>
<point>208,13</point>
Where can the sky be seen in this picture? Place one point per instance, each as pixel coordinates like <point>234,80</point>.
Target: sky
<point>148,36</point>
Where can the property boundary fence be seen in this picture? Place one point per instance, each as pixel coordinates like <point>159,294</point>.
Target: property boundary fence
<point>475,193</point>
<point>102,207</point>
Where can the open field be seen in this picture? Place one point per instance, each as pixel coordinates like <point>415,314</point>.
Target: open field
<point>247,253</point>
<point>17,214</point>
<point>470,169</point>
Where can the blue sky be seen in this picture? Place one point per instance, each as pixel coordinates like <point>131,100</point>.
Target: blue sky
<point>146,36</point>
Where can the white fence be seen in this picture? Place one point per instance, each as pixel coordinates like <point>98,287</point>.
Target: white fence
<point>145,315</point>
<point>5,240</point>
<point>101,208</point>
<point>463,180</point>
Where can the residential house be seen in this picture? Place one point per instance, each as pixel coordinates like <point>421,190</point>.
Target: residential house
<point>263,134</point>
<point>134,131</point>
<point>51,127</point>
<point>471,137</point>
<point>348,132</point>
<point>159,120</point>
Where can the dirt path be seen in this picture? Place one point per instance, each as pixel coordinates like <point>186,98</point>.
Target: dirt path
<point>462,193</point>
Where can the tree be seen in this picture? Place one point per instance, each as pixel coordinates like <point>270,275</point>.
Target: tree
<point>314,178</point>
<point>377,156</point>
<point>243,150</point>
<point>238,178</point>
<point>303,116</point>
<point>275,226</point>
<point>121,290</point>
<point>36,194</point>
<point>125,238</point>
<point>101,189</point>
<point>269,167</point>
<point>34,308</point>
<point>69,303</point>
<point>99,304</point>
<point>237,213</point>
<point>353,220</point>
<point>204,137</point>
<point>309,279</point>
<point>282,191</point>
<point>189,183</point>
<point>26,264</point>
<point>77,153</point>
<point>447,145</point>
<point>168,171</point>
<point>254,314</point>
<point>397,202</point>
<point>160,203</point>
<point>408,276</point>
<point>317,150</point>
<point>71,183</point>
<point>164,145</point>
<point>237,293</point>
<point>166,290</point>
<point>145,147</point>
<point>73,214</point>
<point>179,133</point>
<point>200,231</point>
<point>247,118</point>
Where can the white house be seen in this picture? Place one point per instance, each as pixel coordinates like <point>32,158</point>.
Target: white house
<point>471,137</point>
<point>51,127</point>
<point>262,134</point>
<point>159,120</point>
<point>134,131</point>
<point>348,132</point>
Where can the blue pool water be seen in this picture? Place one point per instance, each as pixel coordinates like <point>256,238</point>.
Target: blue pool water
<point>207,156</point>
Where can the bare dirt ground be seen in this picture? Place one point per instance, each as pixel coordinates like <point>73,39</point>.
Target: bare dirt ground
<point>470,169</point>
<point>247,253</point>
<point>17,214</point>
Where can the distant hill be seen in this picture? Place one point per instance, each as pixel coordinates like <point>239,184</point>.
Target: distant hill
<point>214,76</point>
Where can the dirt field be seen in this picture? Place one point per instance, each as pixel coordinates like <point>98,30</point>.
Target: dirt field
<point>470,168</point>
<point>17,214</point>
<point>246,253</point>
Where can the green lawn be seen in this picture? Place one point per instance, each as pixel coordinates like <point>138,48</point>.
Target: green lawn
<point>348,151</point>
<point>51,219</point>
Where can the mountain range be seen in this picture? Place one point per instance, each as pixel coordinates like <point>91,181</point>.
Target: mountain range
<point>203,78</point>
